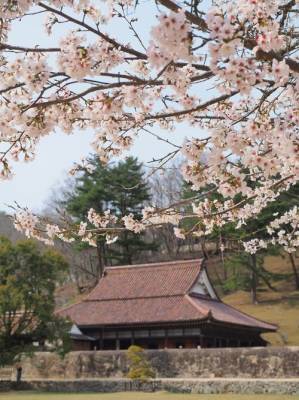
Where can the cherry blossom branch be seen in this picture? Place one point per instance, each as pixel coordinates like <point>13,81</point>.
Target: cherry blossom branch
<point>262,55</point>
<point>195,19</point>
<point>123,48</point>
<point>6,46</point>
<point>117,85</point>
<point>249,43</point>
<point>91,90</point>
<point>192,110</point>
<point>246,200</point>
<point>16,86</point>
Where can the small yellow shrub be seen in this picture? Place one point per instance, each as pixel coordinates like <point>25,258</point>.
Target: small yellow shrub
<point>139,367</point>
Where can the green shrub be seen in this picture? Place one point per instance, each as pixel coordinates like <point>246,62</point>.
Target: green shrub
<point>139,367</point>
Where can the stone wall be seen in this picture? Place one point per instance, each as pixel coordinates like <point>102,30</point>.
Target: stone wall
<point>202,386</point>
<point>5,386</point>
<point>270,362</point>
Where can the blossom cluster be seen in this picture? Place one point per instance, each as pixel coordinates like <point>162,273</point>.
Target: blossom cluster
<point>234,24</point>
<point>229,76</point>
<point>171,40</point>
<point>79,61</point>
<point>84,165</point>
<point>286,230</point>
<point>101,221</point>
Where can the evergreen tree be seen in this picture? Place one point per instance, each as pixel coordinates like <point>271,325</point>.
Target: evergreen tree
<point>120,188</point>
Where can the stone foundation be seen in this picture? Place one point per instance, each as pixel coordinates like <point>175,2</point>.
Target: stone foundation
<point>236,370</point>
<point>5,386</point>
<point>269,362</point>
<point>200,386</point>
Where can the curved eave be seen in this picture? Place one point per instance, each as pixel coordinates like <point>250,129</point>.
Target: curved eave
<point>271,328</point>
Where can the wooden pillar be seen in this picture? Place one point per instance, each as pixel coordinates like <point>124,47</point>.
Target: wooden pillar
<point>201,341</point>
<point>117,343</point>
<point>166,339</point>
<point>101,339</point>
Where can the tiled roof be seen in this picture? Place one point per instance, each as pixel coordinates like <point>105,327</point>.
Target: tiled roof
<point>133,311</point>
<point>147,280</point>
<point>153,293</point>
<point>224,313</point>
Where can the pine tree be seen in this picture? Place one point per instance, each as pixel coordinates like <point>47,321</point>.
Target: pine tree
<point>120,188</point>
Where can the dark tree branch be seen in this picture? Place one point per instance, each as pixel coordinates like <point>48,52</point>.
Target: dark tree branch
<point>123,48</point>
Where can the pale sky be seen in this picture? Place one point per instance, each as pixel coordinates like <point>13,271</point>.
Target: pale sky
<point>34,181</point>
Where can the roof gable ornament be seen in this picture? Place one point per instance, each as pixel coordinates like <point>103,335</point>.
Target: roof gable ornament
<point>75,330</point>
<point>203,286</point>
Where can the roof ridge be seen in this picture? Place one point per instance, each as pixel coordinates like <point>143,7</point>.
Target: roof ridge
<point>203,310</point>
<point>142,269</point>
<point>135,297</point>
<point>204,297</point>
<point>156,264</point>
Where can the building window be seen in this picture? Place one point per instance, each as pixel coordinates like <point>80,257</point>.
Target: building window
<point>141,334</point>
<point>175,332</point>
<point>109,335</point>
<point>192,331</point>
<point>124,334</point>
<point>158,333</point>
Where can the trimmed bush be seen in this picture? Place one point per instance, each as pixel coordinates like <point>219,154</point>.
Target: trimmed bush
<point>139,367</point>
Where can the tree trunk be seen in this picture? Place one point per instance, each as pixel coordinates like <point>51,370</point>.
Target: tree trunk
<point>77,280</point>
<point>221,242</point>
<point>203,248</point>
<point>224,269</point>
<point>254,280</point>
<point>258,273</point>
<point>217,247</point>
<point>296,273</point>
<point>129,256</point>
<point>100,265</point>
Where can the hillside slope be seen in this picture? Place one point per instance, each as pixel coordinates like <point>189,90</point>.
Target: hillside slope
<point>283,312</point>
<point>280,307</point>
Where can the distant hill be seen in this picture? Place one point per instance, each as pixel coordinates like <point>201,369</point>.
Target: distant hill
<point>7,228</point>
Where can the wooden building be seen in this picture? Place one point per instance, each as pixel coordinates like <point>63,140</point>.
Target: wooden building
<point>162,305</point>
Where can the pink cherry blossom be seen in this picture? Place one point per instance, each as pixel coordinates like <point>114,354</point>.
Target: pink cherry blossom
<point>227,76</point>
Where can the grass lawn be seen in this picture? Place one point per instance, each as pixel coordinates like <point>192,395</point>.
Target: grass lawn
<point>137,396</point>
<point>280,307</point>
